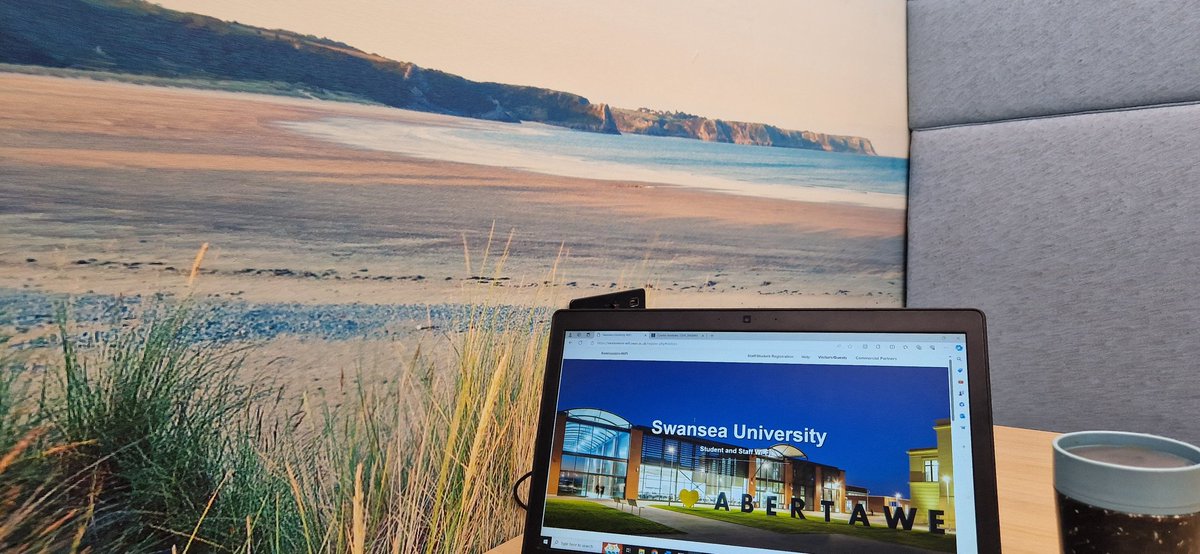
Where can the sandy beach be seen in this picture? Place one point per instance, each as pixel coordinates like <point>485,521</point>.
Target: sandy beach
<point>114,186</point>
<point>111,188</point>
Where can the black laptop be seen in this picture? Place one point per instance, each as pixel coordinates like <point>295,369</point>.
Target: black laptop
<point>764,431</point>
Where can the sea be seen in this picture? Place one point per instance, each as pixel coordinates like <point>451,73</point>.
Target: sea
<point>769,172</point>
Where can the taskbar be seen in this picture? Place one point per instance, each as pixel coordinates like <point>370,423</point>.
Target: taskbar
<point>559,544</point>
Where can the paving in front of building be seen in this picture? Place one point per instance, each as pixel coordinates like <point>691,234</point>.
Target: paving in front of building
<point>701,529</point>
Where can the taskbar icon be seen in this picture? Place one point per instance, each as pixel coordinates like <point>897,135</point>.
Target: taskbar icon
<point>655,550</point>
<point>620,548</point>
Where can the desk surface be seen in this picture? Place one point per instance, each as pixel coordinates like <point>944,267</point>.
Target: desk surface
<point>1024,479</point>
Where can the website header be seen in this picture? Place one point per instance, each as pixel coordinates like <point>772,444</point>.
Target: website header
<point>907,349</point>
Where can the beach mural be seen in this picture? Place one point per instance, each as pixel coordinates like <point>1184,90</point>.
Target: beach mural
<point>372,205</point>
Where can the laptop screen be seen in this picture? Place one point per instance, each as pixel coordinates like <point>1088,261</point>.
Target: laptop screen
<point>761,442</point>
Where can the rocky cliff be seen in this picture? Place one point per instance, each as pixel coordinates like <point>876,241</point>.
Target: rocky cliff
<point>136,37</point>
<point>683,125</point>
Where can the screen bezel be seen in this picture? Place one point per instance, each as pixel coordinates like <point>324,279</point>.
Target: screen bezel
<point>967,322</point>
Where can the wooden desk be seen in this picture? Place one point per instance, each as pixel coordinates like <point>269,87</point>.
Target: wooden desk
<point>1024,482</point>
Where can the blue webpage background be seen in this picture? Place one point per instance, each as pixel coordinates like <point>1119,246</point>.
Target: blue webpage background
<point>873,415</point>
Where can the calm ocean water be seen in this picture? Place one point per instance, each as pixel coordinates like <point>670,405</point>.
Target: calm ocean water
<point>783,173</point>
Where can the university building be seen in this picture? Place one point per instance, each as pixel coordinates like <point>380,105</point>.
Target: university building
<point>599,454</point>
<point>931,477</point>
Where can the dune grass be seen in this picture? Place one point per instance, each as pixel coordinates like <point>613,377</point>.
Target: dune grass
<point>425,464</point>
<point>132,446</point>
<point>158,443</point>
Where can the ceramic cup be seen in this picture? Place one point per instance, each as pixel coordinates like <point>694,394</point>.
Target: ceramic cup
<point>1127,492</point>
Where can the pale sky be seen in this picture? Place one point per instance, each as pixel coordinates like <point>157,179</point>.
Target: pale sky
<point>832,66</point>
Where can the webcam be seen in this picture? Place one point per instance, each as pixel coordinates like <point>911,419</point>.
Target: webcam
<point>624,300</point>
<point>745,319</point>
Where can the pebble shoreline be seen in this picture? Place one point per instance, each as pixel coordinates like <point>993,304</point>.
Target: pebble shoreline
<point>220,320</point>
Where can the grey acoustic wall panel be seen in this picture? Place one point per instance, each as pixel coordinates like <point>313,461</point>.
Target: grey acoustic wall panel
<point>1079,236</point>
<point>984,60</point>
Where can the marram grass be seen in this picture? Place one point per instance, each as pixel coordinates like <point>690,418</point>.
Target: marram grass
<point>157,443</point>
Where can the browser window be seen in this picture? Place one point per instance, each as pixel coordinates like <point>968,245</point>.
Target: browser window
<point>756,442</point>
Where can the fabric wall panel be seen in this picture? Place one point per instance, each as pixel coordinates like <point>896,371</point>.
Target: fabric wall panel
<point>1079,236</point>
<point>982,60</point>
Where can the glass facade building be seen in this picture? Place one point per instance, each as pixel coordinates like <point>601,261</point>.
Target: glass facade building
<point>669,465</point>
<point>601,455</point>
<point>595,454</point>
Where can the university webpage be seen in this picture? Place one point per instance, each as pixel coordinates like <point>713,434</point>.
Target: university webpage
<point>724,442</point>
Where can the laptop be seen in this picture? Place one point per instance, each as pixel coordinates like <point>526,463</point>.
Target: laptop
<point>764,432</point>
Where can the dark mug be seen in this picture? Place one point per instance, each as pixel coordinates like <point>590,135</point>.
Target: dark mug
<point>1127,492</point>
